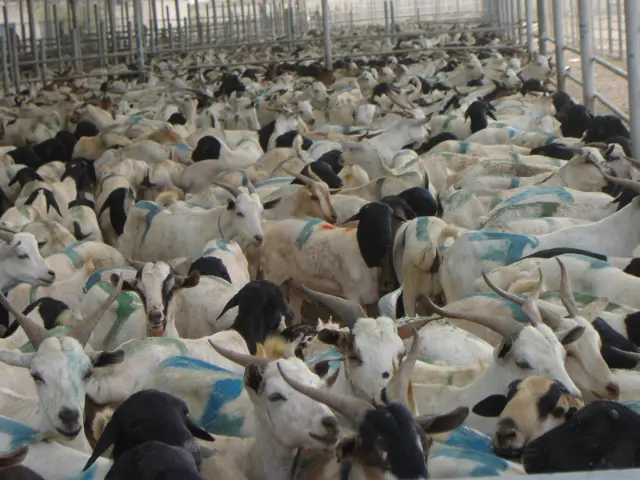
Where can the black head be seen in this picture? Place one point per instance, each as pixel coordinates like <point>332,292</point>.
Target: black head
<point>261,306</point>
<point>68,140</point>
<point>322,170</point>
<point>553,150</point>
<point>421,201</point>
<point>211,266</point>
<point>208,148</point>
<point>86,129</point>
<point>562,101</point>
<point>264,134</point>
<point>155,461</point>
<point>611,340</point>
<point>78,169</point>
<point>603,127</point>
<point>602,435</point>
<point>576,121</point>
<point>48,196</point>
<point>27,156</point>
<point>374,234</point>
<point>622,141</point>
<point>177,119</point>
<point>334,159</point>
<point>52,149</point>
<point>435,140</point>
<point>150,415</point>
<point>478,112</point>
<point>286,139</point>
<point>24,176</point>
<point>399,206</point>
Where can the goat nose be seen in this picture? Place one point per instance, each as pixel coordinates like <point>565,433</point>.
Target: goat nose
<point>259,239</point>
<point>613,389</point>
<point>155,316</point>
<point>52,273</point>
<point>69,415</point>
<point>330,423</point>
<point>505,433</point>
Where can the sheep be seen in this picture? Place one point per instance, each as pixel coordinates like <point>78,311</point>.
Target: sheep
<point>50,235</point>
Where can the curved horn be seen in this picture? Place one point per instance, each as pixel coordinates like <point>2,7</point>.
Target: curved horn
<point>623,182</point>
<point>232,189</point>
<point>303,178</point>
<point>506,327</point>
<point>250,187</point>
<point>286,160</point>
<point>240,358</point>
<point>552,318</point>
<point>35,333</point>
<point>398,386</point>
<point>630,355</point>
<point>314,176</point>
<point>6,235</point>
<point>135,263</point>
<point>566,293</point>
<point>348,310</point>
<point>394,99</point>
<point>351,408</point>
<point>82,331</point>
<point>530,307</point>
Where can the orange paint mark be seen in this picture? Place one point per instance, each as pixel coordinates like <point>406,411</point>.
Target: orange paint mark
<point>350,229</point>
<point>326,226</point>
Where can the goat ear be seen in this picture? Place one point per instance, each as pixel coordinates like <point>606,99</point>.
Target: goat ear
<point>126,284</point>
<point>16,358</point>
<point>443,423</point>
<point>103,359</point>
<point>254,377</point>
<point>271,203</point>
<point>573,335</point>
<point>231,204</point>
<point>338,339</point>
<point>594,309</point>
<point>189,281</point>
<point>505,347</point>
<point>197,431</point>
<point>492,406</point>
<point>353,218</point>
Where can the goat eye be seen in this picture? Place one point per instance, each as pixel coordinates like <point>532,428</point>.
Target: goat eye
<point>87,375</point>
<point>240,214</point>
<point>24,256</point>
<point>558,412</point>
<point>523,364</point>
<point>276,397</point>
<point>37,378</point>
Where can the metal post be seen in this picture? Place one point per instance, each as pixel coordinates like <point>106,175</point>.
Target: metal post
<point>32,27</point>
<point>58,33</point>
<point>47,20</point>
<point>137,15</point>
<point>103,36</point>
<point>529,16</point>
<point>15,64</point>
<point>328,62</point>
<point>23,28</point>
<point>96,14</point>
<point>237,17</point>
<point>5,67</point>
<point>386,16</point>
<point>542,26</point>
<point>43,61</point>
<point>585,14</point>
<point>632,17</point>
<point>572,22</point>
<point>255,19</point>
<point>198,23</point>
<point>154,16</point>
<point>610,26</point>
<point>131,46</point>
<point>178,21</point>
<point>243,20</point>
<point>169,29</point>
<point>392,11</point>
<point>113,26</point>
<point>229,21</point>
<point>558,29</point>
<point>215,21</point>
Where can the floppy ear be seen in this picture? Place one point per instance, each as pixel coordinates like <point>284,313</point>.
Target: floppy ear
<point>338,339</point>
<point>197,431</point>
<point>443,423</point>
<point>189,281</point>
<point>492,406</point>
<point>353,218</point>
<point>271,203</point>
<point>127,285</point>
<point>572,336</point>
<point>16,358</point>
<point>103,359</point>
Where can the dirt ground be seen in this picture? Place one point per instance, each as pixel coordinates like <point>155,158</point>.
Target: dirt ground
<point>608,84</point>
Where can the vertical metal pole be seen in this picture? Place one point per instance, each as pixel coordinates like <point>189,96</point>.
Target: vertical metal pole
<point>87,18</point>
<point>169,29</point>
<point>58,34</point>
<point>43,61</point>
<point>600,28</point>
<point>229,21</point>
<point>23,28</point>
<point>392,11</point>
<point>187,40</point>
<point>632,17</point>
<point>131,46</point>
<point>558,28</point>
<point>137,15</point>
<point>542,26</point>
<point>15,65</point>
<point>243,21</point>
<point>572,22</point>
<point>113,26</point>
<point>328,62</point>
<point>208,36</point>
<point>621,26</point>
<point>215,21</point>
<point>96,14</point>
<point>178,21</point>
<point>386,16</point>
<point>5,66</point>
<point>32,28</point>
<point>529,16</point>
<point>198,23</point>
<point>585,14</point>
<point>255,19</point>
<point>103,35</point>
<point>154,16</point>
<point>47,20</point>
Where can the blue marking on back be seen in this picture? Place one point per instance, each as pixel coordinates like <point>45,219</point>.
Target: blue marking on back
<point>97,276</point>
<point>20,433</point>
<point>463,147</point>
<point>271,181</point>
<point>182,147</point>
<point>245,178</point>
<point>510,250</point>
<point>559,193</point>
<point>221,244</point>
<point>71,253</point>
<point>513,132</point>
<point>192,363</point>
<point>468,438</point>
<point>307,230</point>
<point>153,209</point>
<point>516,310</point>
<point>515,183</point>
<point>326,355</point>
<point>594,263</point>
<point>422,228</point>
<point>632,404</point>
<point>515,157</point>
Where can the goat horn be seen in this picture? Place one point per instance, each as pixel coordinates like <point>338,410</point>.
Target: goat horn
<point>82,331</point>
<point>553,319</point>
<point>396,102</point>
<point>530,307</point>
<point>35,333</point>
<point>566,293</point>
<point>303,178</point>
<point>506,327</point>
<point>286,160</point>
<point>250,187</point>
<point>135,263</point>
<point>348,310</point>
<point>6,235</point>
<point>232,189</point>
<point>597,145</point>
<point>633,162</point>
<point>630,355</point>
<point>314,176</point>
<point>623,182</point>
<point>351,408</point>
<point>239,358</point>
<point>398,386</point>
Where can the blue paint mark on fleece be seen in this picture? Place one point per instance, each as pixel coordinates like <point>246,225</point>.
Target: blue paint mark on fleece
<point>422,228</point>
<point>326,355</point>
<point>20,433</point>
<point>594,263</point>
<point>97,276</point>
<point>245,178</point>
<point>560,193</point>
<point>486,465</point>
<point>153,209</point>
<point>463,147</point>
<point>222,392</point>
<point>509,249</point>
<point>221,244</point>
<point>633,405</point>
<point>272,181</point>
<point>307,230</point>
<point>468,438</point>
<point>70,252</point>
<point>516,310</point>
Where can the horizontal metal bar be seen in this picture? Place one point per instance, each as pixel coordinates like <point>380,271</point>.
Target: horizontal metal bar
<point>572,49</point>
<point>574,79</point>
<point>613,108</point>
<point>611,68</point>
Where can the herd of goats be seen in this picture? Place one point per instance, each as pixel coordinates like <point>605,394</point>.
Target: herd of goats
<point>422,265</point>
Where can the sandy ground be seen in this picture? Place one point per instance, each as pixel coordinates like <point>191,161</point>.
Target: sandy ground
<point>608,84</point>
